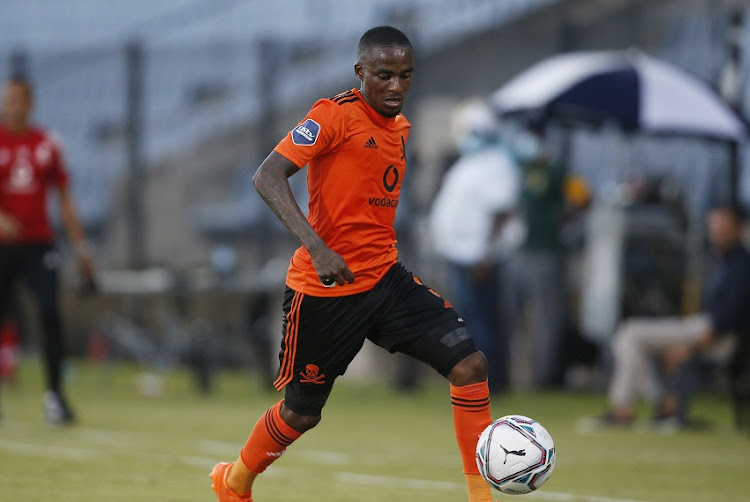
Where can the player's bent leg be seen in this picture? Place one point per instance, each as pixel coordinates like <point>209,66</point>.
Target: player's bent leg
<point>470,397</point>
<point>298,422</point>
<point>442,341</point>
<point>453,354</point>
<point>472,369</point>
<point>274,431</point>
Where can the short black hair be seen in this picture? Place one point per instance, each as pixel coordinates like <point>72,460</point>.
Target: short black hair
<point>381,36</point>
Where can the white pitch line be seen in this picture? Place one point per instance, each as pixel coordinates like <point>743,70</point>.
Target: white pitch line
<point>218,447</point>
<point>37,450</point>
<point>103,437</point>
<point>569,497</point>
<point>444,486</point>
<point>189,460</point>
<point>319,456</point>
<point>322,457</point>
<point>416,484</point>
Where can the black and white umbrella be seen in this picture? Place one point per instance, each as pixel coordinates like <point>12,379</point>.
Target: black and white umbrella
<point>642,94</point>
<point>639,92</point>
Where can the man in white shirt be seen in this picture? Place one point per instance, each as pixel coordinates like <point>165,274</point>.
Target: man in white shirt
<point>468,221</point>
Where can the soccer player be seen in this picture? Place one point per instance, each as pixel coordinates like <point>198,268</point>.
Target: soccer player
<point>31,163</point>
<point>345,283</point>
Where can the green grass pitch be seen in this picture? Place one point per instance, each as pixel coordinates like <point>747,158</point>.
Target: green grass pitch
<point>372,445</point>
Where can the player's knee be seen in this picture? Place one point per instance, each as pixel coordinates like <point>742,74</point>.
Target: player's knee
<point>299,423</point>
<point>305,422</point>
<point>471,369</point>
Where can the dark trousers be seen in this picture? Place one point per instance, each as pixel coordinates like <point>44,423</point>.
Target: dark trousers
<point>478,301</point>
<point>36,267</point>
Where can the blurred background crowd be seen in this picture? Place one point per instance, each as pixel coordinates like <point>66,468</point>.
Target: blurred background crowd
<point>544,222</point>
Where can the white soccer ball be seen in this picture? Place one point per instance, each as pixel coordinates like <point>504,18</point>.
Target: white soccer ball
<point>515,454</point>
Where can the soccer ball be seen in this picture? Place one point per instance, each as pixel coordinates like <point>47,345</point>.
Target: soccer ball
<point>515,454</point>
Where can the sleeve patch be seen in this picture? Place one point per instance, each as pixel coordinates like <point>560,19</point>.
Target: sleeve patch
<point>306,134</point>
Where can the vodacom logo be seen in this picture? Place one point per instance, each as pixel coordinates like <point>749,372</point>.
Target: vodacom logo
<point>390,178</point>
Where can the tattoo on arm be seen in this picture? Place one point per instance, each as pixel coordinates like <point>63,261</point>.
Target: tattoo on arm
<point>271,181</point>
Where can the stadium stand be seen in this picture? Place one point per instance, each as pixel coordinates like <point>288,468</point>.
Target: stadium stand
<point>201,66</point>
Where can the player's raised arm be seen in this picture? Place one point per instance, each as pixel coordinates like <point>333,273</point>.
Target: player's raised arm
<point>271,181</point>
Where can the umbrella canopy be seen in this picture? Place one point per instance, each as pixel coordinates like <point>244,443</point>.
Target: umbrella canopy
<point>640,92</point>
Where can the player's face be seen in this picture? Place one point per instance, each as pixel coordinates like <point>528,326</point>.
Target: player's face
<point>386,74</point>
<point>16,105</point>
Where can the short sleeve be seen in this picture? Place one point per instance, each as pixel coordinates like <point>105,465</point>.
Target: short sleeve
<point>320,132</point>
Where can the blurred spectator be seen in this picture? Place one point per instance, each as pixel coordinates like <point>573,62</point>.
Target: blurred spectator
<point>709,335</point>
<point>476,199</point>
<point>260,334</point>
<point>31,163</point>
<point>550,198</point>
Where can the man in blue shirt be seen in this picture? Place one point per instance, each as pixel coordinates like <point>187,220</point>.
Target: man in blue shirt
<point>720,330</point>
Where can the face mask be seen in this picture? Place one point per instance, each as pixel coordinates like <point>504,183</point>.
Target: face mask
<point>526,147</point>
<point>470,144</point>
<point>476,141</point>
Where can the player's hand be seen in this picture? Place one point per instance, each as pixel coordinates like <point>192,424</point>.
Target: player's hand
<point>10,228</point>
<point>330,266</point>
<point>87,269</point>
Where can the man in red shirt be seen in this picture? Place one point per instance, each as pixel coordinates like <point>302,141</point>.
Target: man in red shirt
<point>345,283</point>
<point>31,164</point>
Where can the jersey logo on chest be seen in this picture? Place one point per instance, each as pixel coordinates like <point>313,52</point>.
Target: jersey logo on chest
<point>21,171</point>
<point>370,143</point>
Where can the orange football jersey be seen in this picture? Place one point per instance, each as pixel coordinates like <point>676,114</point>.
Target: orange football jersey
<point>356,161</point>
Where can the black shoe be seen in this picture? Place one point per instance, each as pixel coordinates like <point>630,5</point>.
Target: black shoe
<point>56,409</point>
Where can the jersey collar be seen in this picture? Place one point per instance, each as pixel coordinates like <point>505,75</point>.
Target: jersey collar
<point>390,123</point>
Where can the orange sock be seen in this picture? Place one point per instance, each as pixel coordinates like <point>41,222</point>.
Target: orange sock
<point>477,488</point>
<point>268,440</point>
<point>471,415</point>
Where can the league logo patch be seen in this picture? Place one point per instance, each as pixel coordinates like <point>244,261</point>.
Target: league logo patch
<point>306,134</point>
